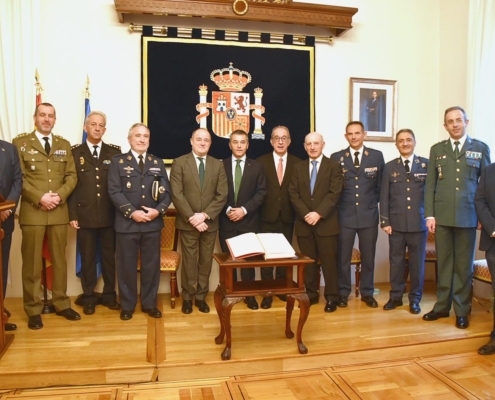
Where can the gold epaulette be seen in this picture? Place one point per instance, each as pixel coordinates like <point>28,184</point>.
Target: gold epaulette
<point>114,146</point>
<point>76,146</point>
<point>22,135</point>
<point>61,138</point>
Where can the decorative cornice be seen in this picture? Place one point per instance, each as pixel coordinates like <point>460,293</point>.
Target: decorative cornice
<point>337,19</point>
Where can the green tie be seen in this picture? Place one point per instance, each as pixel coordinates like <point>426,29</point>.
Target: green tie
<point>238,178</point>
<point>456,150</point>
<point>201,171</point>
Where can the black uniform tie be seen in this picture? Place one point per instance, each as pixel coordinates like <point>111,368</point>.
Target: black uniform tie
<point>47,145</point>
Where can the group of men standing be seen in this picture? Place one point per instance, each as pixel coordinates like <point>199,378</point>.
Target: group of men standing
<point>117,201</point>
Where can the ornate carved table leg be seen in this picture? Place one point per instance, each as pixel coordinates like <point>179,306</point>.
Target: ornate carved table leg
<point>219,296</point>
<point>227,304</point>
<point>303,300</point>
<point>288,315</point>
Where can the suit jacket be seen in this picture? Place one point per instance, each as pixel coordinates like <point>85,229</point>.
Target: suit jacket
<point>358,205</point>
<point>130,189</point>
<point>190,198</point>
<point>402,197</point>
<point>252,192</point>
<point>45,173</point>
<point>10,180</point>
<point>451,184</point>
<point>484,202</point>
<point>89,203</point>
<point>326,194</point>
<point>277,200</point>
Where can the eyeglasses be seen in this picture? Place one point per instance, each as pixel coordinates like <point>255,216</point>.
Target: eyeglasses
<point>278,139</point>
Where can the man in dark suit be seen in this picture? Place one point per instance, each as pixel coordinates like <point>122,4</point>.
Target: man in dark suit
<point>276,213</point>
<point>48,178</point>
<point>314,191</point>
<point>484,202</point>
<point>199,192</point>
<point>92,213</point>
<point>402,218</point>
<point>140,191</point>
<point>247,190</point>
<point>362,169</point>
<point>373,110</point>
<point>10,189</point>
<point>453,172</point>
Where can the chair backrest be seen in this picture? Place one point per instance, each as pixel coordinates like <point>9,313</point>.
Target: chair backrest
<point>169,235</point>
<point>431,237</point>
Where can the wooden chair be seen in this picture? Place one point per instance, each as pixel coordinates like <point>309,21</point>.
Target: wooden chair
<point>169,257</point>
<point>430,256</point>
<point>356,261</point>
<point>480,273</point>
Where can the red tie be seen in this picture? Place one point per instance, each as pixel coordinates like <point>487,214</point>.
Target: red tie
<point>280,171</point>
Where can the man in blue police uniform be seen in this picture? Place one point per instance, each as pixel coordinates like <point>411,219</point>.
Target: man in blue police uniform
<point>10,189</point>
<point>484,201</point>
<point>402,218</point>
<point>453,172</point>
<point>140,191</point>
<point>362,168</point>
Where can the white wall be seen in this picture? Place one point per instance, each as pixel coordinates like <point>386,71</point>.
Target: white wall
<point>419,43</point>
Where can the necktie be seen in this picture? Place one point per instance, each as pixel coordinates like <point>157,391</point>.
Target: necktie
<point>280,171</point>
<point>237,180</point>
<point>312,180</point>
<point>95,152</point>
<point>47,145</point>
<point>141,163</point>
<point>356,159</point>
<point>201,171</point>
<point>406,165</point>
<point>456,150</point>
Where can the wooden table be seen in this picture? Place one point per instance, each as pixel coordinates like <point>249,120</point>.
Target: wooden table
<point>229,293</point>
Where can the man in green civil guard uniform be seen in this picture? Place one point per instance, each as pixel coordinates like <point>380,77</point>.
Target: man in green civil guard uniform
<point>49,177</point>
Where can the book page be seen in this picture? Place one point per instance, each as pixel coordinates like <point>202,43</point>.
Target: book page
<point>245,245</point>
<point>276,246</point>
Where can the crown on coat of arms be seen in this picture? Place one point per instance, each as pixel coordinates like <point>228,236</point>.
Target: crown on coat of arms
<point>230,79</point>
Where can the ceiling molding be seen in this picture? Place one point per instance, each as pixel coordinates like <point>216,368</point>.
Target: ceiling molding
<point>337,19</point>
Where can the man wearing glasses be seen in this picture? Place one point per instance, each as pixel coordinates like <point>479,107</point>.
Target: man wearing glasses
<point>277,214</point>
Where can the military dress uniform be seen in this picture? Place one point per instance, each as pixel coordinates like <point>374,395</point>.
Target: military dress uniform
<point>91,206</point>
<point>130,189</point>
<point>44,173</point>
<point>402,208</point>
<point>358,213</point>
<point>450,188</point>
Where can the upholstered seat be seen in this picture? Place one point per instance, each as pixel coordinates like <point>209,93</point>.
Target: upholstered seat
<point>481,271</point>
<point>169,257</point>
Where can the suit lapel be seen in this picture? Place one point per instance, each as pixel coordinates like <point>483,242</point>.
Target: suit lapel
<point>467,146</point>
<point>306,178</point>
<point>228,171</point>
<point>88,154</point>
<point>245,174</point>
<point>448,149</point>
<point>35,143</point>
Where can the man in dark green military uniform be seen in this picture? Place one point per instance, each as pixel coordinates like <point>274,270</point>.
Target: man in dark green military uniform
<point>453,172</point>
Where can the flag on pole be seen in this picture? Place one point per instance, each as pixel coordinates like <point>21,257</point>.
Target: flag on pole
<point>87,110</point>
<point>45,251</point>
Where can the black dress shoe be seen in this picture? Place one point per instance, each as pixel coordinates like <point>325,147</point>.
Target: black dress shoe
<point>202,306</point>
<point>89,309</point>
<point>34,322</point>
<point>7,312</point>
<point>153,312</point>
<point>414,307</point>
<point>392,304</point>
<point>266,303</point>
<point>461,322</point>
<point>370,301</point>
<point>126,315</point>
<point>342,301</point>
<point>282,297</point>
<point>10,327</point>
<point>488,348</point>
<point>251,302</point>
<point>112,305</point>
<point>433,315</point>
<point>331,306</point>
<point>69,314</point>
<point>187,306</point>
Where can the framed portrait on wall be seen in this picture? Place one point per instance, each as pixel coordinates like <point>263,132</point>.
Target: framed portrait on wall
<point>374,103</point>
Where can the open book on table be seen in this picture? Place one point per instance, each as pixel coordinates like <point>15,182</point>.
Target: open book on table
<point>270,245</point>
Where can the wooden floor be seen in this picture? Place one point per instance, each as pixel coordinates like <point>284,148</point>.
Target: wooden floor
<point>354,353</point>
